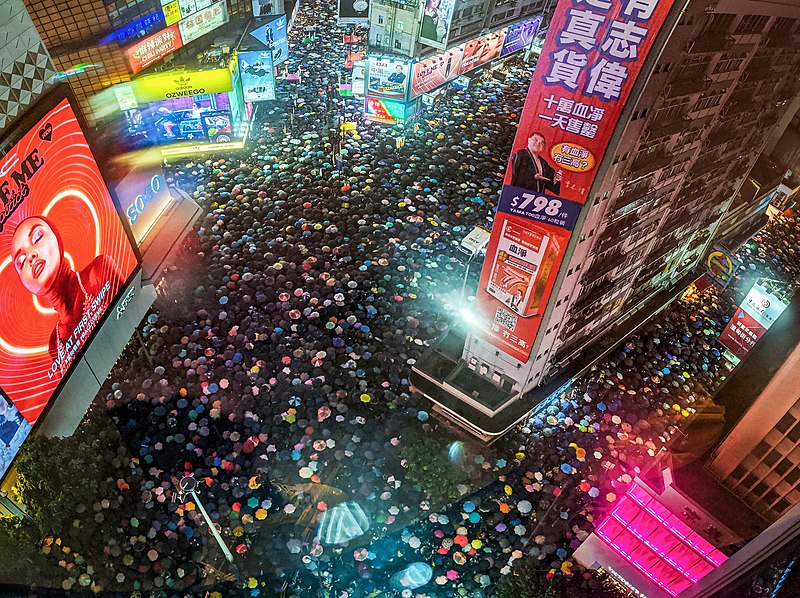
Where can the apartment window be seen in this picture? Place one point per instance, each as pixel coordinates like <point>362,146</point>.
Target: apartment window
<point>708,102</point>
<point>759,489</point>
<point>738,472</point>
<point>398,45</point>
<point>794,434</point>
<point>772,458</point>
<point>781,506</point>
<point>380,19</point>
<point>782,467</point>
<point>752,24</point>
<point>770,497</point>
<point>761,449</point>
<point>717,23</point>
<point>749,480</point>
<point>792,476</point>
<point>785,423</point>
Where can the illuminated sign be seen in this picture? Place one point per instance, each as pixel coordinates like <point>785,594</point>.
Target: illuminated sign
<point>591,58</point>
<point>258,76</point>
<point>144,196</point>
<point>64,257</point>
<point>203,21</point>
<point>145,24</point>
<point>202,148</point>
<point>720,265</point>
<point>437,16</point>
<point>388,78</point>
<point>152,49</point>
<point>179,84</point>
<point>519,35</point>
<point>273,36</point>
<point>752,319</point>
<point>172,12</point>
<point>482,50</point>
<point>353,11</point>
<point>78,69</point>
<point>384,109</point>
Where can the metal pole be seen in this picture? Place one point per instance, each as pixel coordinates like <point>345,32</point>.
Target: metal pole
<point>466,275</point>
<point>211,527</point>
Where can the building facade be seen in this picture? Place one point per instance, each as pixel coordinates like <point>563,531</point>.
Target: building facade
<point>720,78</point>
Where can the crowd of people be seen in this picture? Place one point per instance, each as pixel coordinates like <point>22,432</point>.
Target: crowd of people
<point>274,369</point>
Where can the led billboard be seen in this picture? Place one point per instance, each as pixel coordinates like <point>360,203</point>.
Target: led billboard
<point>153,48</point>
<point>437,16</point>
<point>353,11</point>
<point>64,254</point>
<point>179,84</point>
<point>388,78</point>
<point>520,35</point>
<point>591,58</point>
<point>482,50</point>
<point>436,71</point>
<point>258,76</point>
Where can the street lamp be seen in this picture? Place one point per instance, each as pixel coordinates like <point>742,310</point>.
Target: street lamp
<point>188,485</point>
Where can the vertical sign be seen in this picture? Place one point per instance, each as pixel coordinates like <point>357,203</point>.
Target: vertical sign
<point>437,15</point>
<point>752,319</point>
<point>592,55</point>
<point>273,36</point>
<point>258,76</point>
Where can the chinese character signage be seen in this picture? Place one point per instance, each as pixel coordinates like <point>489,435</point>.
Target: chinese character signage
<point>520,35</point>
<point>592,55</point>
<point>258,76</point>
<point>353,11</point>
<point>154,48</point>
<point>436,18</point>
<point>388,78</point>
<point>752,319</point>
<point>203,21</point>
<point>273,36</point>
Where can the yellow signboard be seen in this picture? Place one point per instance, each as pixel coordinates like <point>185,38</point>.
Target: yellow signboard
<point>199,149</point>
<point>172,12</point>
<point>179,84</point>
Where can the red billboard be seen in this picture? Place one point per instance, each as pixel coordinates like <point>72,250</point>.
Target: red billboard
<point>752,319</point>
<point>64,255</point>
<point>153,48</point>
<point>481,50</point>
<point>591,57</point>
<point>436,71</point>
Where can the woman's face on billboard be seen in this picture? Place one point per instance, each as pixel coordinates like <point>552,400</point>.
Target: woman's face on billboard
<point>36,255</point>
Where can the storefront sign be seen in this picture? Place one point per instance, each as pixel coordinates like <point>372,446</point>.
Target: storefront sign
<point>179,84</point>
<point>519,35</point>
<point>752,319</point>
<point>144,196</point>
<point>592,55</point>
<point>721,265</point>
<point>203,21</point>
<point>152,49</point>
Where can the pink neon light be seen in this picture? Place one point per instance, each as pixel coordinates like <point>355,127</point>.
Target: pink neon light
<point>657,543</point>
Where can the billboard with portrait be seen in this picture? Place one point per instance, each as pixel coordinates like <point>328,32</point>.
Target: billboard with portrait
<point>353,11</point>
<point>258,76</point>
<point>64,254</point>
<point>273,35</point>
<point>591,58</point>
<point>153,48</point>
<point>435,71</point>
<point>388,78</point>
<point>437,15</point>
<point>482,50</point>
<point>520,35</point>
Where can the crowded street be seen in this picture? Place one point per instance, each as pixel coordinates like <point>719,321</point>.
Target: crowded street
<point>274,369</point>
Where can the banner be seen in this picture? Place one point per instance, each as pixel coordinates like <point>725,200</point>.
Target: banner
<point>152,49</point>
<point>481,50</point>
<point>388,78</point>
<point>353,11</point>
<point>436,71</point>
<point>64,257</point>
<point>179,84</point>
<point>592,55</point>
<point>519,35</point>
<point>258,76</point>
<point>752,319</point>
<point>273,36</point>
<point>437,16</point>
<point>203,21</point>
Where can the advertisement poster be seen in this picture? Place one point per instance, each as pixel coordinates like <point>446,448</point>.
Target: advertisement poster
<point>436,18</point>
<point>481,50</point>
<point>592,55</point>
<point>64,257</point>
<point>519,35</point>
<point>258,76</point>
<point>752,319</point>
<point>172,12</point>
<point>143,195</point>
<point>180,84</point>
<point>388,78</point>
<point>203,21</point>
<point>436,71</point>
<point>14,429</point>
<point>152,49</point>
<point>388,110</point>
<point>273,36</point>
<point>266,8</point>
<point>358,81</point>
<point>353,11</point>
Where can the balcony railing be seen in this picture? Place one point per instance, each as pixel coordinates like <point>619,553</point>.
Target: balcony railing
<point>607,263</point>
<point>667,127</point>
<point>649,162</point>
<point>687,86</point>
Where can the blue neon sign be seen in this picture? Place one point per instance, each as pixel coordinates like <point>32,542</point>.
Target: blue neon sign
<point>146,24</point>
